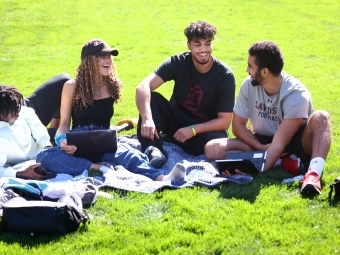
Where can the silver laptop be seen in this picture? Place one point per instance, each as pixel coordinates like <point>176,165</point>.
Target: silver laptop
<point>251,162</point>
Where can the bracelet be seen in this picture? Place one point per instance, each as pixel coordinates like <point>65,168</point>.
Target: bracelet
<point>59,138</point>
<point>193,130</point>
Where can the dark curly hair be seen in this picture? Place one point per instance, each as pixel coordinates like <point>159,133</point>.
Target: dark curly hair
<point>11,101</point>
<point>267,55</point>
<point>87,76</point>
<point>200,29</point>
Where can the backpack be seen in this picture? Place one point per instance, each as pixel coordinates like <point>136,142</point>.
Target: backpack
<point>336,187</point>
<point>36,217</point>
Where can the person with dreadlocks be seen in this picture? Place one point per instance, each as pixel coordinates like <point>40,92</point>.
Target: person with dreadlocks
<point>201,104</point>
<point>88,102</point>
<point>22,135</point>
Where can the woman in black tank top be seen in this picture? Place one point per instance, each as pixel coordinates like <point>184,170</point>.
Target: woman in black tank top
<point>88,101</point>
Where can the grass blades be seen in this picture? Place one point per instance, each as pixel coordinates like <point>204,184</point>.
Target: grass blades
<point>42,38</point>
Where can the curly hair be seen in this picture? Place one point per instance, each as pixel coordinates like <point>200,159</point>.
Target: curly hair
<point>87,75</point>
<point>200,29</point>
<point>267,55</point>
<point>11,101</point>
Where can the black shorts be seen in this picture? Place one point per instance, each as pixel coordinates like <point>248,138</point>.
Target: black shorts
<point>293,147</point>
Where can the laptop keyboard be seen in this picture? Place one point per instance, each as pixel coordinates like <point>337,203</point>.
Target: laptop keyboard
<point>257,162</point>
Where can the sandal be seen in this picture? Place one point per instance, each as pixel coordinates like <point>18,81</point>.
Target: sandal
<point>125,124</point>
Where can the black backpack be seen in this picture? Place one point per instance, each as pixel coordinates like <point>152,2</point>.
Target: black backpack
<point>35,217</point>
<point>336,187</point>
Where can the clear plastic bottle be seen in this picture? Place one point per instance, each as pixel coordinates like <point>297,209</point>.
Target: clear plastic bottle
<point>292,180</point>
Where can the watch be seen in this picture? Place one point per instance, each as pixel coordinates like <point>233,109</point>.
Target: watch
<point>17,175</point>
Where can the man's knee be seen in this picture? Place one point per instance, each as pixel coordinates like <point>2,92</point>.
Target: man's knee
<point>321,117</point>
<point>215,149</point>
<point>64,77</point>
<point>157,97</point>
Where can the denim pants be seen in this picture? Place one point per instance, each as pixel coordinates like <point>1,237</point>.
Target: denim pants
<point>55,160</point>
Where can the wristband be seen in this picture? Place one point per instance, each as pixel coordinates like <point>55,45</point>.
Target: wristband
<point>193,130</point>
<point>59,138</point>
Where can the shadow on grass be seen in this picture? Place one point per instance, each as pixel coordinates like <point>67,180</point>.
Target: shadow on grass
<point>251,190</point>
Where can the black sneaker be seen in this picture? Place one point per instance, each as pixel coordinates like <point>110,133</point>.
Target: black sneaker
<point>156,157</point>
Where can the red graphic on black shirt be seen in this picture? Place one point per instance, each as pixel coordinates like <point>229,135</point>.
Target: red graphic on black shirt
<point>193,100</point>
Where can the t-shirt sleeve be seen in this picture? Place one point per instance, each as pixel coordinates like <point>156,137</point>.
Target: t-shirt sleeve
<point>296,105</point>
<point>227,95</point>
<point>167,69</point>
<point>242,103</point>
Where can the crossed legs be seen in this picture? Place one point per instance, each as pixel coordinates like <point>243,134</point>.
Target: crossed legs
<point>316,139</point>
<point>218,148</point>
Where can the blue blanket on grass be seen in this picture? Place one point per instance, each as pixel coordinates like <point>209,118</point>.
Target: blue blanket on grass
<point>199,172</point>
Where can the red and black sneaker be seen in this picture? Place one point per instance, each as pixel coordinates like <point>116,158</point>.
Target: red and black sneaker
<point>292,164</point>
<point>311,183</point>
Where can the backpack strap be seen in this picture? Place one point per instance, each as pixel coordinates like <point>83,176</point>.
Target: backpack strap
<point>69,200</point>
<point>331,191</point>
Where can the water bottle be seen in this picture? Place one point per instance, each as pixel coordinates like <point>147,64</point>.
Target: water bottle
<point>292,180</point>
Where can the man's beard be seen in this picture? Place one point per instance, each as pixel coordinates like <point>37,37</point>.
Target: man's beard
<point>256,81</point>
<point>201,62</point>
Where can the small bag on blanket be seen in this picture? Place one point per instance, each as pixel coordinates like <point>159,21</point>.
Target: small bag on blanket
<point>43,217</point>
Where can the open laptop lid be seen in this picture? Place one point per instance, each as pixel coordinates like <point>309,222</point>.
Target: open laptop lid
<point>249,162</point>
<point>247,155</point>
<point>96,142</point>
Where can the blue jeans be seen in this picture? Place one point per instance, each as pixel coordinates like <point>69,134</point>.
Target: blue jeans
<point>55,160</point>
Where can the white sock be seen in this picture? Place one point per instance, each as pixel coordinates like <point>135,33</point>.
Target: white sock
<point>178,172</point>
<point>104,169</point>
<point>317,164</point>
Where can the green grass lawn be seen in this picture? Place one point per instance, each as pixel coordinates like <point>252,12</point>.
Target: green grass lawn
<point>42,38</point>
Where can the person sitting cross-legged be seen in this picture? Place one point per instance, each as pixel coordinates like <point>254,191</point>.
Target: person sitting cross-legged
<point>201,105</point>
<point>282,119</point>
<point>87,104</point>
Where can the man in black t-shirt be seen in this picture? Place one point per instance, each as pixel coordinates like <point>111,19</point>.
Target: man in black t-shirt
<point>201,106</point>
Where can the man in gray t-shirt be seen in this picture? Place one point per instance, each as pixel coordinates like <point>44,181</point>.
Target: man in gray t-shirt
<point>266,112</point>
<point>282,119</point>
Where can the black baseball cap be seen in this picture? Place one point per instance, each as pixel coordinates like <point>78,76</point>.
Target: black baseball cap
<point>97,47</point>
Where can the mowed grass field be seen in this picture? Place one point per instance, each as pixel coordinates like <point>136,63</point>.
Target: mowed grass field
<point>42,38</point>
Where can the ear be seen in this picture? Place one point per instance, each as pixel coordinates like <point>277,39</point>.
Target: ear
<point>189,46</point>
<point>265,71</point>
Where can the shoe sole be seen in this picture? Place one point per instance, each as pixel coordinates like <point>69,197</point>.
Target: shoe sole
<point>158,162</point>
<point>310,189</point>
